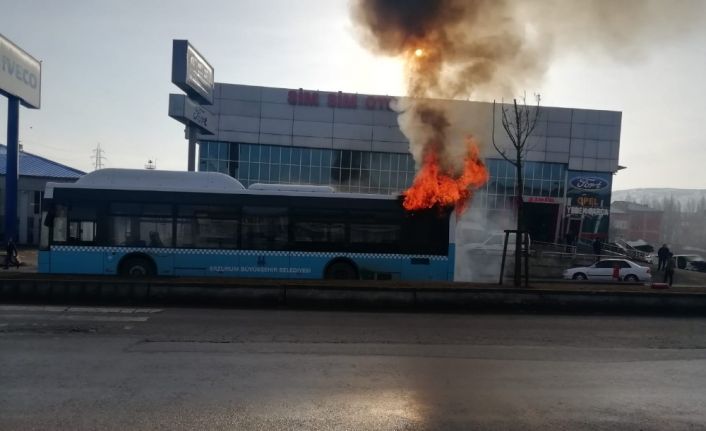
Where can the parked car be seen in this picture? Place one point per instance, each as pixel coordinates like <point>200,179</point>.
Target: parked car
<point>697,265</point>
<point>494,244</point>
<point>603,271</point>
<point>691,262</point>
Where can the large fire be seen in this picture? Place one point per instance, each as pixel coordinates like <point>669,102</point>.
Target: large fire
<point>434,187</point>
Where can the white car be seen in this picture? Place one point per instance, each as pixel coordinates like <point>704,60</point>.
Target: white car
<point>603,271</point>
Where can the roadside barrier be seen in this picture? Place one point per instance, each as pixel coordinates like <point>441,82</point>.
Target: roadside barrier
<point>551,297</point>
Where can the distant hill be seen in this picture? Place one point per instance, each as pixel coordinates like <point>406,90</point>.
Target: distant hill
<point>655,194</point>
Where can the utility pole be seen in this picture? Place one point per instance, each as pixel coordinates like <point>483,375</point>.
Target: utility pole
<point>98,157</point>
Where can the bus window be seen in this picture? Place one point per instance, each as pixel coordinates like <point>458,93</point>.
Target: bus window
<point>264,228</point>
<point>82,231</point>
<point>207,226</point>
<point>47,221</point>
<point>141,225</point>
<point>205,232</point>
<point>368,233</point>
<point>141,231</point>
<point>78,225</point>
<point>314,231</point>
<point>60,224</point>
<point>425,232</point>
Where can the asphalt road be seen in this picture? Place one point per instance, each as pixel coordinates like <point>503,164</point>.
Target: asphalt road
<point>181,369</point>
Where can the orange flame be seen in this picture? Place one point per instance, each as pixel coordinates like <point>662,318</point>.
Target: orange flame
<point>434,187</point>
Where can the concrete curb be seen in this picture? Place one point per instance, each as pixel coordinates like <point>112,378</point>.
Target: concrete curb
<point>349,295</point>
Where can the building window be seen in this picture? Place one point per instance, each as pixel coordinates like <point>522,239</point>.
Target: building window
<point>344,170</point>
<point>540,179</point>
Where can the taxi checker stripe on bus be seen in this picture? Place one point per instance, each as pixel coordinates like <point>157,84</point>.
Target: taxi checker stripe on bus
<point>246,252</point>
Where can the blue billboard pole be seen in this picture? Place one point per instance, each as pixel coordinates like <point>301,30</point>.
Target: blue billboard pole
<point>20,82</point>
<point>11,171</point>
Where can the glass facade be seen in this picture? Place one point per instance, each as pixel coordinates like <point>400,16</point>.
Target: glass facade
<point>345,170</point>
<point>541,179</point>
<point>365,171</point>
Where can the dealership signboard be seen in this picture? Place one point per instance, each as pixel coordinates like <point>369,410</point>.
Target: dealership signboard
<point>186,111</point>
<point>588,193</point>
<point>20,74</point>
<point>191,72</point>
<point>588,199</point>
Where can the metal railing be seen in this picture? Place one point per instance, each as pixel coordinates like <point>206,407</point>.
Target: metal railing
<point>586,250</point>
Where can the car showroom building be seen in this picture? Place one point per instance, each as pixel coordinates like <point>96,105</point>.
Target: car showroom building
<point>353,143</point>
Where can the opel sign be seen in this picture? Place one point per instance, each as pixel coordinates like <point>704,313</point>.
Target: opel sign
<point>589,183</point>
<point>20,74</point>
<point>191,72</point>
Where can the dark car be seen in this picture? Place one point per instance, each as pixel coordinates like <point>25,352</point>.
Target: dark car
<point>690,262</point>
<point>697,265</point>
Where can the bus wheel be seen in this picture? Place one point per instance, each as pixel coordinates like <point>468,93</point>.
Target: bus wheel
<point>137,267</point>
<point>341,270</point>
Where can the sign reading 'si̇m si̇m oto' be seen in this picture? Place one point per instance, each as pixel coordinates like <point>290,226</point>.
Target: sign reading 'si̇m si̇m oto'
<point>20,74</point>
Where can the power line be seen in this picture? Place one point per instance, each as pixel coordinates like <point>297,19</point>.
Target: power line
<point>98,157</point>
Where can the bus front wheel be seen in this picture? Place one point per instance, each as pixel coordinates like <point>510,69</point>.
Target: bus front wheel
<point>341,270</point>
<point>137,267</point>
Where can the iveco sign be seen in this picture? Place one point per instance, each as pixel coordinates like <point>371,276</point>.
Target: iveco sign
<point>20,74</point>
<point>191,72</point>
<point>589,183</point>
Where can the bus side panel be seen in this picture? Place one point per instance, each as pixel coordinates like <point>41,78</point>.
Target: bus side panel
<point>451,263</point>
<point>206,263</point>
<point>307,265</point>
<point>164,260</point>
<point>425,268</point>
<point>76,262</point>
<point>44,262</point>
<point>402,267</point>
<point>265,264</point>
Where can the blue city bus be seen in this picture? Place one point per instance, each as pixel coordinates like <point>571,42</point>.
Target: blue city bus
<point>163,223</point>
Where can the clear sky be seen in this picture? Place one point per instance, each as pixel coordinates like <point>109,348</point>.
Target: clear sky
<point>106,78</point>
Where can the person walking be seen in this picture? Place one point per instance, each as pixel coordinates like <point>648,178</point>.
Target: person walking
<point>11,254</point>
<point>569,238</point>
<point>662,256</point>
<point>669,269</point>
<point>597,248</point>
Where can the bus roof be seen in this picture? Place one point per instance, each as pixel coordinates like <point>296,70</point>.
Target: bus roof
<point>291,188</point>
<point>193,182</point>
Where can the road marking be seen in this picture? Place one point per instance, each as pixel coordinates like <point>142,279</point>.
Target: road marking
<point>61,309</point>
<point>114,310</point>
<point>54,309</point>
<point>74,318</point>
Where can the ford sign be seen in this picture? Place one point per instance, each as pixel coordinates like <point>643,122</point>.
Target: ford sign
<point>589,183</point>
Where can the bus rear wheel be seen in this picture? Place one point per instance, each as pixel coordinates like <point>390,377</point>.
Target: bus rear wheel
<point>137,267</point>
<point>341,270</point>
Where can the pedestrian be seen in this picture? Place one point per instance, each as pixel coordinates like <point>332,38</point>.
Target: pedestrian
<point>11,254</point>
<point>597,248</point>
<point>662,256</point>
<point>616,271</point>
<point>569,238</point>
<point>669,269</point>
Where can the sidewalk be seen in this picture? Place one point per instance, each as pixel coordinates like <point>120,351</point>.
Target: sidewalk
<point>27,258</point>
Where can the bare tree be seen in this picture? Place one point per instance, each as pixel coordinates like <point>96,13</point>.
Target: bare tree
<point>519,121</point>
